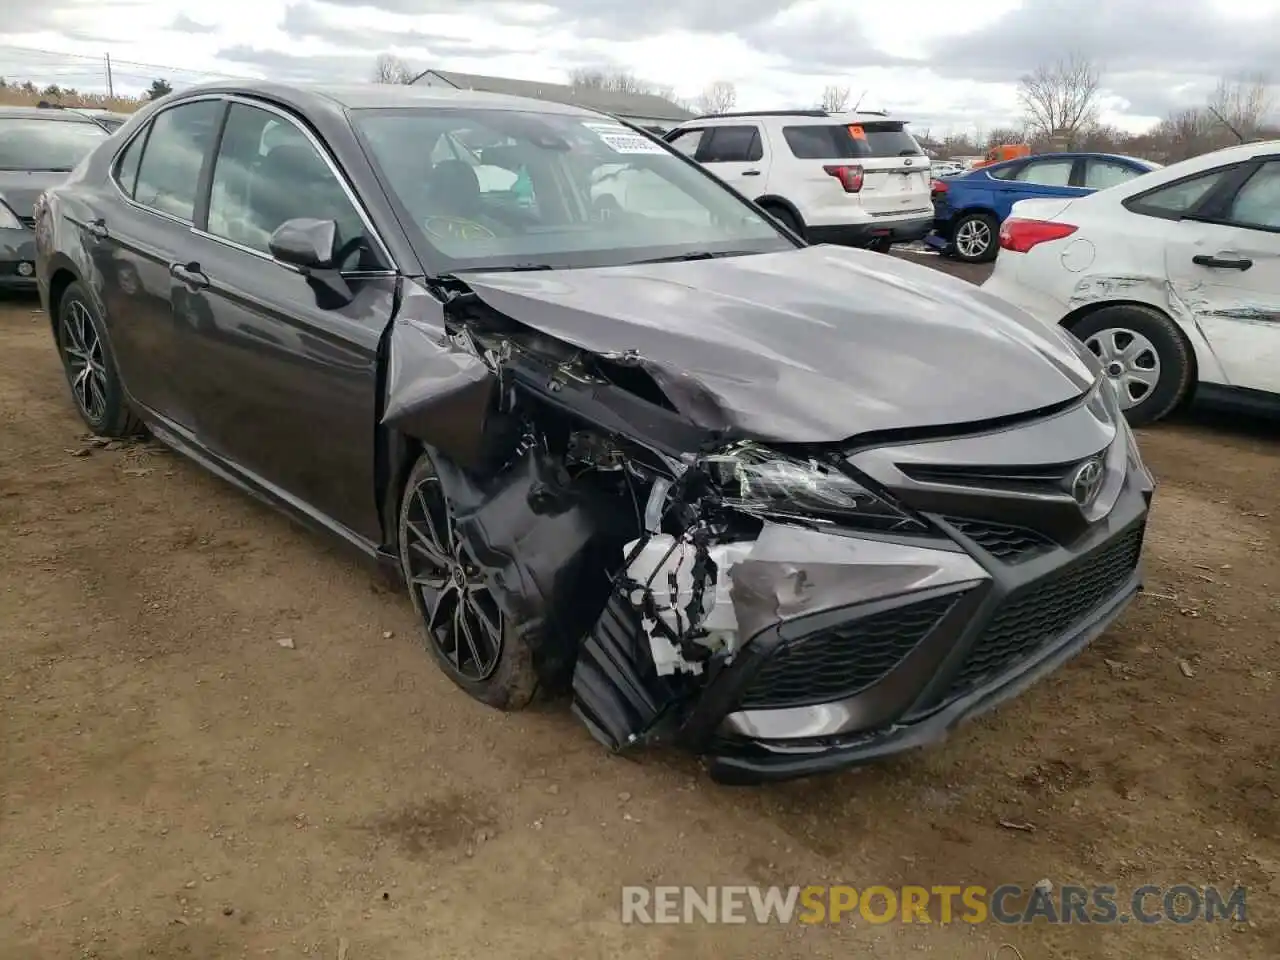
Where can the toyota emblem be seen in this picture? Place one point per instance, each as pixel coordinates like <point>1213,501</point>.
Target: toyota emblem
<point>1087,481</point>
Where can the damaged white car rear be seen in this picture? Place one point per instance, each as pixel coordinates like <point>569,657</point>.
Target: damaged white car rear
<point>1172,279</point>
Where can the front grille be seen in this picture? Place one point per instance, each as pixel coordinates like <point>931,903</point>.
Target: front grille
<point>1004,542</point>
<point>1046,610</point>
<point>844,660</point>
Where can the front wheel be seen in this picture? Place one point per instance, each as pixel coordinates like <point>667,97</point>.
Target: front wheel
<point>1144,354</point>
<point>463,626</point>
<point>975,238</point>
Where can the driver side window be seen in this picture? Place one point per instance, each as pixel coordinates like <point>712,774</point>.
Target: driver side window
<point>267,172</point>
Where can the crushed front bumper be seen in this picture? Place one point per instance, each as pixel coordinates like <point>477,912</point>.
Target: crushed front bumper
<point>859,645</point>
<point>917,664</point>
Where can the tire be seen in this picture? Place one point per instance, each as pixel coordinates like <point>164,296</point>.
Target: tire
<point>981,225</point>
<point>880,245</point>
<point>1157,355</point>
<point>497,667</point>
<point>786,218</point>
<point>90,367</point>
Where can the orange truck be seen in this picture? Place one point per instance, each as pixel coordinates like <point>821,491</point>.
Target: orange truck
<point>1004,151</point>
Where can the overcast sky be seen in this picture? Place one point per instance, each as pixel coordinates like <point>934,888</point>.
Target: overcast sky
<point>945,64</point>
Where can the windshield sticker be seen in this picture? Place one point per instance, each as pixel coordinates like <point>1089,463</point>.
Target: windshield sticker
<point>621,140</point>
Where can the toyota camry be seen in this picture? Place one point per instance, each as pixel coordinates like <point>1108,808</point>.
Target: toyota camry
<point>793,507</point>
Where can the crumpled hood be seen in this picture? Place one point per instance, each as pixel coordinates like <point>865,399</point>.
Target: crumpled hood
<point>19,189</point>
<point>813,345</point>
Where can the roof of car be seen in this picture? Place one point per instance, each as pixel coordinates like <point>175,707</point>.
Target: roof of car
<point>367,96</point>
<point>67,115</point>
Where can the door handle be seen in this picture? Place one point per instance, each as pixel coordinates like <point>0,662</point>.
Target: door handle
<point>1218,263</point>
<point>189,273</point>
<point>751,173</point>
<point>97,229</point>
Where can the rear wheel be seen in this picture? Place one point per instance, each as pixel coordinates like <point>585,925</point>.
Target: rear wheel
<point>1144,354</point>
<point>974,238</point>
<point>90,367</point>
<point>463,627</point>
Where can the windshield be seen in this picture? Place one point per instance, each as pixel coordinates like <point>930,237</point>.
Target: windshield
<point>488,189</point>
<point>32,143</point>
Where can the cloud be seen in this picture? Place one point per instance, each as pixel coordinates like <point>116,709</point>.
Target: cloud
<point>1173,38</point>
<point>607,19</point>
<point>184,24</point>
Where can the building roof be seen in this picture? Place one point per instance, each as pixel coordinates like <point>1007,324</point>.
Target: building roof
<point>646,105</point>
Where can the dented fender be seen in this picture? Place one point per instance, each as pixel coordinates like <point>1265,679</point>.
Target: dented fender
<point>438,388</point>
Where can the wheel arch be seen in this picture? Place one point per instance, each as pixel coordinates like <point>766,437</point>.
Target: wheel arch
<point>976,208</point>
<point>773,200</point>
<point>62,274</point>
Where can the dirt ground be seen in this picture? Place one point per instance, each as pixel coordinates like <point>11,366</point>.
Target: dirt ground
<point>176,782</point>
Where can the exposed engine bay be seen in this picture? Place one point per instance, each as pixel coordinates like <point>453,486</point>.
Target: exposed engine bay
<point>610,523</point>
<point>674,523</point>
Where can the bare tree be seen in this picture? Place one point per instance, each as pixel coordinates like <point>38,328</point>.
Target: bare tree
<point>1242,104</point>
<point>1060,99</point>
<point>391,69</point>
<point>602,78</point>
<point>835,99</point>
<point>718,97</point>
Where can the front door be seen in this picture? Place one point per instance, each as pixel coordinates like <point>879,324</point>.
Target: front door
<point>287,381</point>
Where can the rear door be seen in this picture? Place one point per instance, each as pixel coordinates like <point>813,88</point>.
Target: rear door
<point>139,234</point>
<point>737,155</point>
<point>895,169</point>
<point>1223,262</point>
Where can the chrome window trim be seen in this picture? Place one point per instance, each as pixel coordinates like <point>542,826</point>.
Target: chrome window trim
<point>116,158</point>
<point>206,235</point>
<point>316,145</point>
<point>352,197</point>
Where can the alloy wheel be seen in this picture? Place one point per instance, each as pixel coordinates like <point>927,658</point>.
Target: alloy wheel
<point>462,618</point>
<point>972,238</point>
<point>82,349</point>
<point>1130,360</point>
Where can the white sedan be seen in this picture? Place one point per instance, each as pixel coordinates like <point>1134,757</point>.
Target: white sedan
<point>1172,279</point>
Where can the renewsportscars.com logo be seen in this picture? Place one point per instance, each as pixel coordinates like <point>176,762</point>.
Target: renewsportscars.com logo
<point>1006,904</point>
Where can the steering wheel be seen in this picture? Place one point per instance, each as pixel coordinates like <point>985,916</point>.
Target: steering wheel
<point>457,228</point>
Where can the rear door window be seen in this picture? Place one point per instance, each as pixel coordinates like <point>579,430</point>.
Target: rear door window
<point>738,144</point>
<point>1100,174</point>
<point>1047,173</point>
<point>169,174</point>
<point>1257,205</point>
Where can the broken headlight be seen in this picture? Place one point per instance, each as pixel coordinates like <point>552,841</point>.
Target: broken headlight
<point>757,480</point>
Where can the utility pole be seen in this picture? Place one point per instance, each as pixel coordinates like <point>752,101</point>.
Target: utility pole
<point>111,89</point>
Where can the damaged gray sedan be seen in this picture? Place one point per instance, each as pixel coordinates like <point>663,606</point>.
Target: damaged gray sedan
<point>793,507</point>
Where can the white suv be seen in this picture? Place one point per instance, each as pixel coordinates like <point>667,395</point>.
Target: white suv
<point>852,178</point>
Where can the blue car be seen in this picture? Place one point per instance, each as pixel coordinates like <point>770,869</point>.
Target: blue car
<point>968,208</point>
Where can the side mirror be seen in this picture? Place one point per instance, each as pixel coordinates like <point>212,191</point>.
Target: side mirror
<point>312,247</point>
<point>305,243</point>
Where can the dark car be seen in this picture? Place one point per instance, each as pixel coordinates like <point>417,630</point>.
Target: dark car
<point>38,148</point>
<point>794,507</point>
<point>968,208</point>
